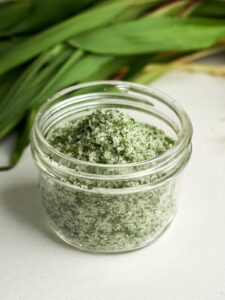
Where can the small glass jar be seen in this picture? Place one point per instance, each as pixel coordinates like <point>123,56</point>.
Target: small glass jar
<point>102,207</point>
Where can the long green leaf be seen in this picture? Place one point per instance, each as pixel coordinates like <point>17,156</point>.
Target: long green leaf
<point>29,96</point>
<point>150,35</point>
<point>108,69</point>
<point>12,12</point>
<point>6,82</point>
<point>103,72</point>
<point>24,133</point>
<point>26,77</point>
<point>77,72</point>
<point>50,70</point>
<point>47,12</point>
<point>22,142</point>
<point>56,79</point>
<point>8,44</point>
<point>211,9</point>
<point>88,20</point>
<point>5,45</point>
<point>18,98</point>
<point>168,9</point>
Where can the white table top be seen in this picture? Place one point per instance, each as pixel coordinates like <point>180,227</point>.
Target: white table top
<point>187,262</point>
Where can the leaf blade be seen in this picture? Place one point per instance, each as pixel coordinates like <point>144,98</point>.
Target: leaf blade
<point>88,20</point>
<point>151,35</point>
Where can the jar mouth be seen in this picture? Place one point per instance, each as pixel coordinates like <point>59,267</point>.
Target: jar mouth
<point>183,136</point>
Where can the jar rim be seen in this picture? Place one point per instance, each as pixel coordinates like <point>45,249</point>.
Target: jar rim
<point>183,140</point>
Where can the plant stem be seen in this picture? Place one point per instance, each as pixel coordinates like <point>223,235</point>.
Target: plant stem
<point>152,72</point>
<point>211,69</point>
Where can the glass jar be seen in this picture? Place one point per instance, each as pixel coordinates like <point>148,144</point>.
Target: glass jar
<point>102,207</point>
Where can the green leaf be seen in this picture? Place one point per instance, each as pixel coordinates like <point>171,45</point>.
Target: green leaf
<point>18,98</point>
<point>150,35</point>
<point>24,137</point>
<point>88,20</point>
<point>45,13</point>
<point>137,64</point>
<point>168,9</point>
<point>5,46</point>
<point>57,78</point>
<point>211,9</point>
<point>12,12</point>
<point>22,142</point>
<point>6,82</point>
<point>74,73</point>
<point>25,78</point>
<point>34,91</point>
<point>108,69</point>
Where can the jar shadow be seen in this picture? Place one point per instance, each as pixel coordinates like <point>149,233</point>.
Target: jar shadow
<point>23,204</point>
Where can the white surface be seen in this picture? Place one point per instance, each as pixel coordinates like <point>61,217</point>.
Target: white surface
<point>187,262</point>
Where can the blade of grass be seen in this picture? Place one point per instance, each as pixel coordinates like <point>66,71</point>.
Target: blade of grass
<point>103,72</point>
<point>25,78</point>
<point>22,140</point>
<point>109,69</point>
<point>150,35</point>
<point>55,80</point>
<point>77,72</point>
<point>6,81</point>
<point>85,67</point>
<point>13,12</point>
<point>17,115</point>
<point>46,13</point>
<point>49,70</point>
<point>24,137</point>
<point>19,97</point>
<point>6,45</point>
<point>88,20</point>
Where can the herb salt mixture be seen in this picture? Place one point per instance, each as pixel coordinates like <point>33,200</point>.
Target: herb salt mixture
<point>101,221</point>
<point>110,137</point>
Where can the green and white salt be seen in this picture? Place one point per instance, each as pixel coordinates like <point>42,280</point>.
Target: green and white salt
<point>110,137</point>
<point>108,222</point>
